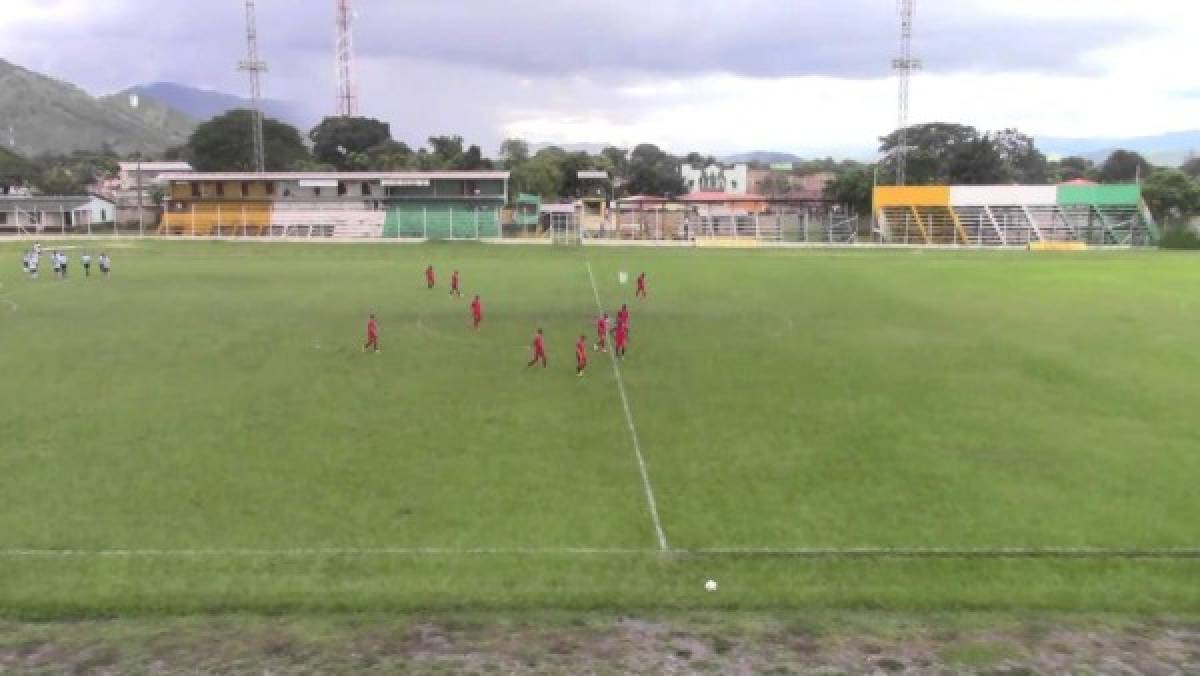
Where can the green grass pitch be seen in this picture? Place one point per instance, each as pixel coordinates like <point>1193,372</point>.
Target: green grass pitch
<point>202,430</point>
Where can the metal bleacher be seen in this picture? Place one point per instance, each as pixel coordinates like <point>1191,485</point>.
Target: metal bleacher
<point>1013,216</point>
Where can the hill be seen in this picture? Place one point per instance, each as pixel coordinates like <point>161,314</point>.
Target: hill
<point>763,157</point>
<point>51,116</point>
<point>204,104</point>
<point>1170,149</point>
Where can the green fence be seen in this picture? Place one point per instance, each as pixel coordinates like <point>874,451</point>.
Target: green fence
<point>442,221</point>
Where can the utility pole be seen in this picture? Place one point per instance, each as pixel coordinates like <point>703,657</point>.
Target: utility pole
<point>256,67</point>
<point>347,94</point>
<point>904,67</point>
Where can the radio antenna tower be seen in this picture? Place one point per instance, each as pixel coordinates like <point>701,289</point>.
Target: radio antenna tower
<point>904,67</point>
<point>347,95</point>
<point>256,67</point>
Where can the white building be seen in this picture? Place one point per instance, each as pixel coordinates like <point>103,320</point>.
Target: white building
<point>148,172</point>
<point>715,178</point>
<point>42,213</point>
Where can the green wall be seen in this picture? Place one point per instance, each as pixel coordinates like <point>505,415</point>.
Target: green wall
<point>1099,195</point>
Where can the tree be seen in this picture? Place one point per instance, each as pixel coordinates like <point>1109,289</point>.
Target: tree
<point>853,188</point>
<point>617,160</point>
<point>336,139</point>
<point>473,160</point>
<point>1074,169</point>
<point>653,172</point>
<point>447,151</point>
<point>15,170</point>
<point>1023,162</point>
<point>975,162</point>
<point>774,184</point>
<point>388,156</point>
<point>1124,166</point>
<point>514,152</point>
<point>541,175</point>
<point>226,143</point>
<point>930,149</point>
<point>1192,167</point>
<point>1171,195</point>
<point>941,153</point>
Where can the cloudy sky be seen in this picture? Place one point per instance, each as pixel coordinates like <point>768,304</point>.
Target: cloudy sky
<point>720,76</point>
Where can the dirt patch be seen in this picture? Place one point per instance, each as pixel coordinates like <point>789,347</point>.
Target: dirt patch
<point>733,644</point>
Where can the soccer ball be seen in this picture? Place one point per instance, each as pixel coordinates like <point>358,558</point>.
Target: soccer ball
<point>711,586</point>
<point>623,277</point>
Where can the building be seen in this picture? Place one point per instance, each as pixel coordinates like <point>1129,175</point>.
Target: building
<point>32,215</point>
<point>1013,215</point>
<point>594,188</point>
<point>423,204</point>
<point>133,174</point>
<point>123,190</point>
<point>649,217</point>
<point>789,185</point>
<point>716,178</point>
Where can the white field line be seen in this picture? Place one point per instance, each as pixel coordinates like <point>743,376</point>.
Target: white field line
<point>600,552</point>
<point>11,305</point>
<point>637,445</point>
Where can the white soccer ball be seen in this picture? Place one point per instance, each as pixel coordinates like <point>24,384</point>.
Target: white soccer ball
<point>711,586</point>
<point>623,277</point>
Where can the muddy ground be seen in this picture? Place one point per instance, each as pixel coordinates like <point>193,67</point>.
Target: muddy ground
<point>582,643</point>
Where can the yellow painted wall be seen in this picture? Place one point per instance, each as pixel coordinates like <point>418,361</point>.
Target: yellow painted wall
<point>912,196</point>
<point>208,215</point>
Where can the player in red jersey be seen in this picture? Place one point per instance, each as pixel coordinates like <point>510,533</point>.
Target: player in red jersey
<point>430,280</point>
<point>539,350</point>
<point>372,335</point>
<point>602,333</point>
<point>454,290</point>
<point>623,317</point>
<point>477,312</point>
<point>620,339</point>
<point>641,286</point>
<point>581,356</point>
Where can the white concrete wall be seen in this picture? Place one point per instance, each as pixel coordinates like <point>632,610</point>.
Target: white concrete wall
<point>1003,195</point>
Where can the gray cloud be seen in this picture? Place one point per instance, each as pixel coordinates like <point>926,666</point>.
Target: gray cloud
<point>760,38</point>
<point>432,66</point>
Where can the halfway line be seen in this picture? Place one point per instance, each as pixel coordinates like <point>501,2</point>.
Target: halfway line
<point>637,445</point>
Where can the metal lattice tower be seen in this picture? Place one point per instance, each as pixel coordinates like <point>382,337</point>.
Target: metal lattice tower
<point>347,95</point>
<point>256,67</point>
<point>904,67</point>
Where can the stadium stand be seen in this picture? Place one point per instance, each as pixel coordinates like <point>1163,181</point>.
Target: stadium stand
<point>442,221</point>
<point>1095,215</point>
<point>435,205</point>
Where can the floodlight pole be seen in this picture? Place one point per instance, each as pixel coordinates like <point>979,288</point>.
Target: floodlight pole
<point>256,67</point>
<point>904,66</point>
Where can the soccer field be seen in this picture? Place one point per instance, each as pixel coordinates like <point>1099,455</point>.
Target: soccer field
<point>203,431</point>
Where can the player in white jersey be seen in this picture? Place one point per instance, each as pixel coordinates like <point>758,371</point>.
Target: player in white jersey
<point>105,264</point>
<point>87,265</point>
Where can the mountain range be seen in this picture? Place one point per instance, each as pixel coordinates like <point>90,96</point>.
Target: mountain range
<point>39,114</point>
<point>203,104</point>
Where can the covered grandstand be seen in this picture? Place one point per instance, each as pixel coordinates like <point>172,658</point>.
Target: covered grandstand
<point>1013,215</point>
<point>432,205</point>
